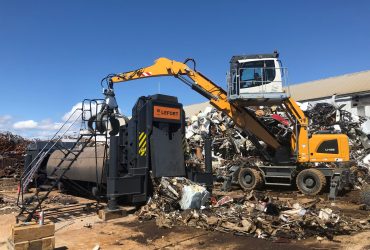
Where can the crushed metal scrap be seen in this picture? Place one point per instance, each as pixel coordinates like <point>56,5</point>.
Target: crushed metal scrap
<point>62,199</point>
<point>255,214</point>
<point>327,117</point>
<point>228,141</point>
<point>12,150</point>
<point>232,148</point>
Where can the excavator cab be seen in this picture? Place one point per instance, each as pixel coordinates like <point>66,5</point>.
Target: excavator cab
<point>256,79</point>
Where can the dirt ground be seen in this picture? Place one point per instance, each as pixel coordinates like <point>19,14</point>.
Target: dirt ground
<point>78,227</point>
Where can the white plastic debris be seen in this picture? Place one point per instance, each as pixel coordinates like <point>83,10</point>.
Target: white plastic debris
<point>303,106</point>
<point>207,110</point>
<point>366,159</point>
<point>337,128</point>
<point>194,119</point>
<point>297,210</point>
<point>193,197</point>
<point>189,133</point>
<point>365,127</point>
<point>325,214</point>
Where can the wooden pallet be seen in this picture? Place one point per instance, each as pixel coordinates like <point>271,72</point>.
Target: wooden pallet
<point>32,236</point>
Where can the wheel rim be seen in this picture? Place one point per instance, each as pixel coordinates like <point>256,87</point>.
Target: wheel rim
<point>248,178</point>
<point>310,182</point>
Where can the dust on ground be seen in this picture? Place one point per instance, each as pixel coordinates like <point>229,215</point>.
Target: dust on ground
<point>78,227</point>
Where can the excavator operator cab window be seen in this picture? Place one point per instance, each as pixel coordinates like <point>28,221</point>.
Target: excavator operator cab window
<point>256,73</point>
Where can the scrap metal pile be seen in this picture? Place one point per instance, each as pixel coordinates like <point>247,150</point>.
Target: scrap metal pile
<point>229,143</point>
<point>228,140</point>
<point>178,201</point>
<point>12,150</point>
<point>327,117</point>
<point>61,199</point>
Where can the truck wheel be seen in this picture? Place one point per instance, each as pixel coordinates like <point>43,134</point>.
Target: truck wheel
<point>311,181</point>
<point>250,179</point>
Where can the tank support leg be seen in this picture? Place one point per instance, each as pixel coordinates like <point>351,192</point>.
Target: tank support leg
<point>112,173</point>
<point>112,204</point>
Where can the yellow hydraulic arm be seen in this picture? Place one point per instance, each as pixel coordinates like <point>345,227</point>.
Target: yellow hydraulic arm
<point>299,138</point>
<point>204,86</point>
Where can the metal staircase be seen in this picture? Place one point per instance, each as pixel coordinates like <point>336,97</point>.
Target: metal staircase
<point>29,206</point>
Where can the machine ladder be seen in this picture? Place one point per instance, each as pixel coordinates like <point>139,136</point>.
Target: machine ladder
<point>30,206</point>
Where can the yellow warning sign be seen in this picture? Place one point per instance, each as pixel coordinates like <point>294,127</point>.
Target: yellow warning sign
<point>142,144</point>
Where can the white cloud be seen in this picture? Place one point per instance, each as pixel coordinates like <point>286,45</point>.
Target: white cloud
<point>5,121</point>
<point>76,111</point>
<point>29,124</point>
<point>70,112</point>
<point>46,128</point>
<point>49,125</point>
<point>5,118</point>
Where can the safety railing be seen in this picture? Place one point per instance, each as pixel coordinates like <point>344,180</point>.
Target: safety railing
<point>34,165</point>
<point>91,108</point>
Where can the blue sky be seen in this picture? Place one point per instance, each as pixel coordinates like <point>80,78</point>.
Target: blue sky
<point>53,54</point>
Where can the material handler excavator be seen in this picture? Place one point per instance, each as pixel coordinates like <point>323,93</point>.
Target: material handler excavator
<point>310,159</point>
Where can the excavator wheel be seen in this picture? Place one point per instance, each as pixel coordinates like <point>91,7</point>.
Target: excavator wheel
<point>311,181</point>
<point>250,179</point>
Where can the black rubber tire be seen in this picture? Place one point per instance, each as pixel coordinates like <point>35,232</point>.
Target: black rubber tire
<point>99,125</point>
<point>310,181</point>
<point>250,179</point>
<point>90,123</point>
<point>114,126</point>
